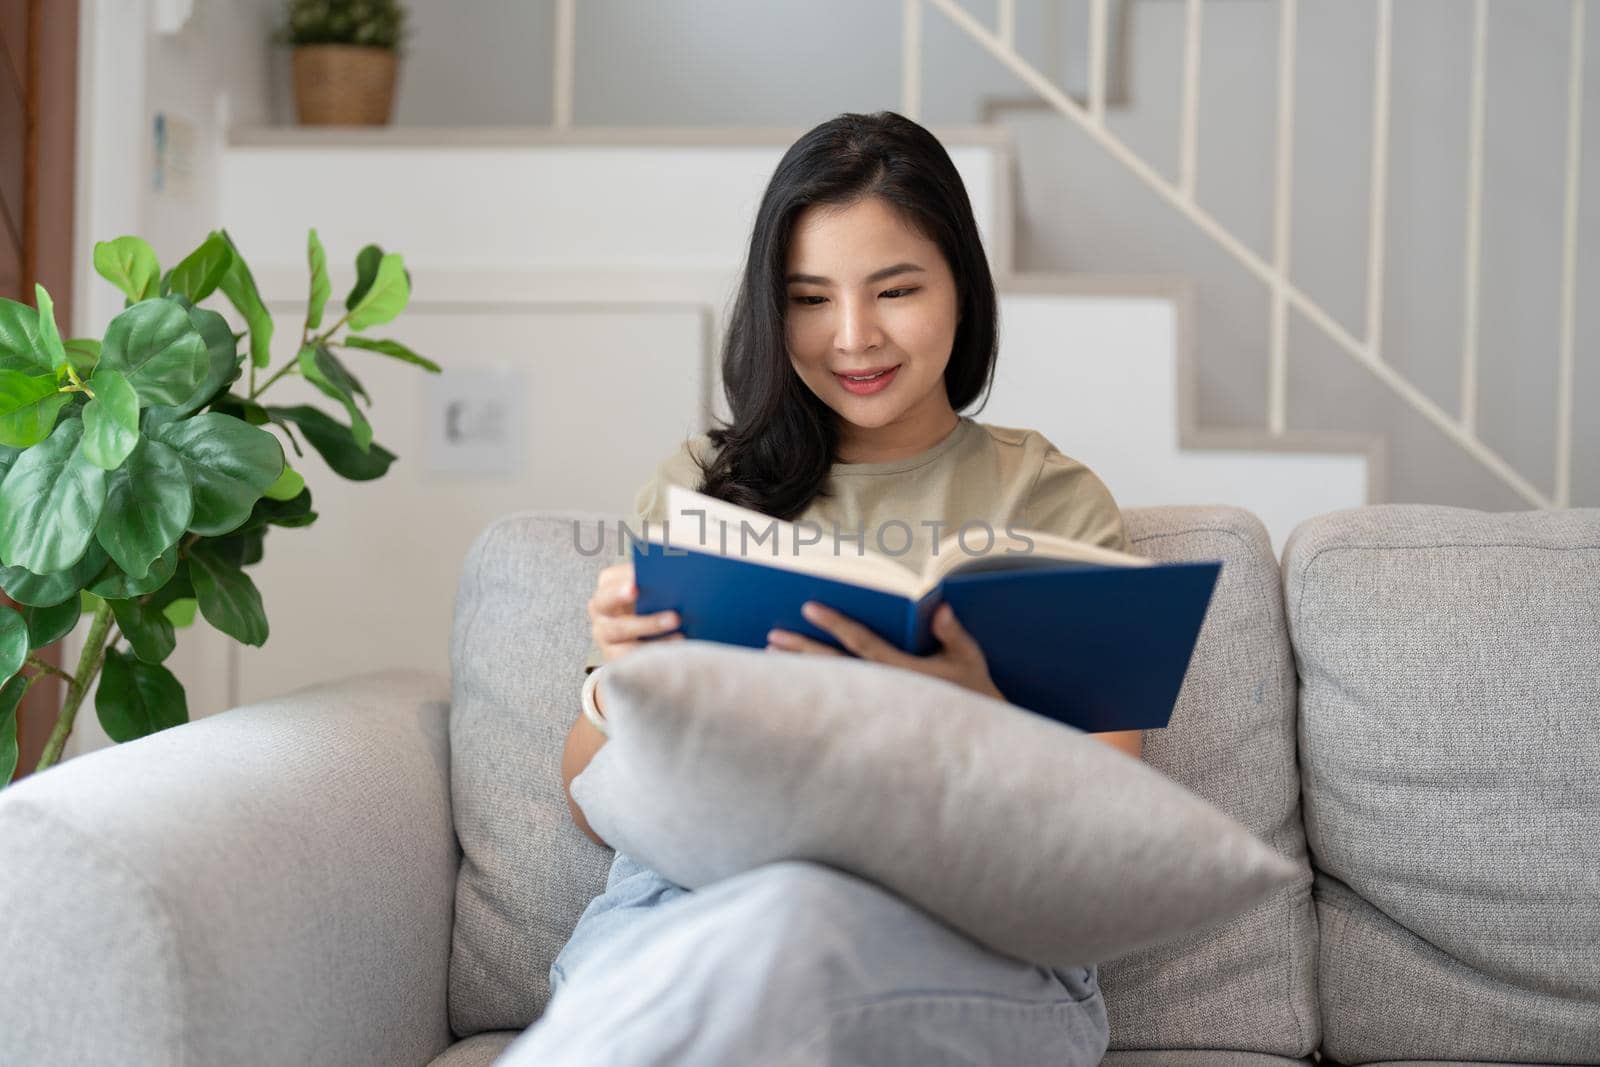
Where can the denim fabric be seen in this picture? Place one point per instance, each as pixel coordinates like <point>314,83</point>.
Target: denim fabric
<point>792,964</point>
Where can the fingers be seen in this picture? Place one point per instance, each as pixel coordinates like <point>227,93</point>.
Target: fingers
<point>619,650</point>
<point>851,634</point>
<point>789,641</point>
<point>616,629</point>
<point>953,636</point>
<point>615,592</point>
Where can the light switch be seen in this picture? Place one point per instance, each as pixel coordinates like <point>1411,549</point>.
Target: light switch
<point>474,421</point>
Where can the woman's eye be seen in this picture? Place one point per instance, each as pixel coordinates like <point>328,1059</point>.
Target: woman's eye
<point>899,292</point>
<point>806,301</point>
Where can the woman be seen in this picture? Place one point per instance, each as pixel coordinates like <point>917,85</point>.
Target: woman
<point>865,323</point>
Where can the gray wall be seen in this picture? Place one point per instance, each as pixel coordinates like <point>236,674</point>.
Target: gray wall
<point>792,62</point>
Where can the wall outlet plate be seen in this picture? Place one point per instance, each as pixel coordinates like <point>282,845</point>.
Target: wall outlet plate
<point>474,421</point>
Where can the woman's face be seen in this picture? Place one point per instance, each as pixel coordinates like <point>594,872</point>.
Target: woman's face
<point>867,293</point>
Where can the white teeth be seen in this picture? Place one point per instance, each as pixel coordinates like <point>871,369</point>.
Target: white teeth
<point>868,378</point>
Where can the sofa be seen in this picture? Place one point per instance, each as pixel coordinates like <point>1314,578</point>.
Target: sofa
<point>379,870</point>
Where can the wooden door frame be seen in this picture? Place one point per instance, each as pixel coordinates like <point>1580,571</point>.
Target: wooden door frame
<point>50,89</point>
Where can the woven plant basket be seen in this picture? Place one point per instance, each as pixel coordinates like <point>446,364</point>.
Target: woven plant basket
<point>343,85</point>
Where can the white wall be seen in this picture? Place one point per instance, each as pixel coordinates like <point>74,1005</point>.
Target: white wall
<point>794,62</point>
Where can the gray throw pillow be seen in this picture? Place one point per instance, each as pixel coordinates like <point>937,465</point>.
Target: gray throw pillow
<point>1029,836</point>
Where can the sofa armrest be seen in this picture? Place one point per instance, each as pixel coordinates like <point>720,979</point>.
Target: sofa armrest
<point>273,884</point>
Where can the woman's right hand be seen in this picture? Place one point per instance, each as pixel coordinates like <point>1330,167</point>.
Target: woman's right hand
<point>616,629</point>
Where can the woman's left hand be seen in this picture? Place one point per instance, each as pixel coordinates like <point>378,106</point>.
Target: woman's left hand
<point>960,660</point>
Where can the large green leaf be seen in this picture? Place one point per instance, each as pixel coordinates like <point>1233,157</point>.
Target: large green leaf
<point>198,276</point>
<point>159,349</point>
<point>243,548</point>
<point>336,443</point>
<point>393,349</point>
<point>222,353</point>
<point>293,512</point>
<point>49,336</point>
<point>111,420</point>
<point>50,502</point>
<point>321,287</point>
<point>230,464</point>
<point>8,456</point>
<point>21,347</point>
<point>130,264</point>
<point>385,298</point>
<point>148,506</point>
<point>135,699</point>
<point>13,641</point>
<point>112,584</point>
<point>240,288</point>
<point>29,405</point>
<point>228,598</point>
<point>11,695</point>
<point>322,369</point>
<point>148,631</point>
<point>45,590</point>
<point>46,626</point>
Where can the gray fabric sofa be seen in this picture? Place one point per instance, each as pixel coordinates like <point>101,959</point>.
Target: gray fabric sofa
<point>379,871</point>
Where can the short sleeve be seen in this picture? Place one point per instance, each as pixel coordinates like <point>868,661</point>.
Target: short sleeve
<point>650,502</point>
<point>1070,500</point>
<point>681,468</point>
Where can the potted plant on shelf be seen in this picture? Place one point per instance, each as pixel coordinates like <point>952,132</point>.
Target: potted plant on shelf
<point>346,55</point>
<point>138,476</point>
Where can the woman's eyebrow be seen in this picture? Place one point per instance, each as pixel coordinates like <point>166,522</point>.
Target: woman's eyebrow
<point>875,276</point>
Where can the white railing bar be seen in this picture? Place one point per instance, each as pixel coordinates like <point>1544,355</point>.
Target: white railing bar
<point>1234,247</point>
<point>1282,214</point>
<point>1191,97</point>
<point>1474,222</point>
<point>1006,22</point>
<point>1097,60</point>
<point>911,59</point>
<point>1569,261</point>
<point>565,32</point>
<point>1378,185</point>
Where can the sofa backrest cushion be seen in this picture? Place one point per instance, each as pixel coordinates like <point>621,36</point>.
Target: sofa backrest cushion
<point>1246,983</point>
<point>1449,746</point>
<point>517,648</point>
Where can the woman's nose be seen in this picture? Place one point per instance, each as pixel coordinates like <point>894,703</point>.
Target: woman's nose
<point>857,328</point>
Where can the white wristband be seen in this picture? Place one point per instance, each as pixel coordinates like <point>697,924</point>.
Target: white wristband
<point>591,710</point>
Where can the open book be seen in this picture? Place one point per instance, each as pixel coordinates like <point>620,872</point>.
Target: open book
<point>1089,636</point>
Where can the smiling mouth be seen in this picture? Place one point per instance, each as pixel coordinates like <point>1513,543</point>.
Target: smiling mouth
<point>867,376</point>
<point>869,382</point>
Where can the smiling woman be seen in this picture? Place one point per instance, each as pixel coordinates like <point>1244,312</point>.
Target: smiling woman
<point>864,325</point>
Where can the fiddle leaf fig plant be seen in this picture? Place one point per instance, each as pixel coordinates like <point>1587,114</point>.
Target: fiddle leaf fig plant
<point>140,473</point>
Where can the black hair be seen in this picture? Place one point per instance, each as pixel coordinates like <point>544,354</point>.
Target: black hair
<point>774,454</point>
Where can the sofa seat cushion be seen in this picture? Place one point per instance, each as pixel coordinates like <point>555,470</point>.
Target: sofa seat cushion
<point>1449,740</point>
<point>479,1050</point>
<point>1203,1057</point>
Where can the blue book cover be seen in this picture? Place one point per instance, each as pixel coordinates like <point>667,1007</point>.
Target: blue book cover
<point>1101,642</point>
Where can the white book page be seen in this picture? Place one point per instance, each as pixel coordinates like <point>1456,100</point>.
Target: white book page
<point>704,523</point>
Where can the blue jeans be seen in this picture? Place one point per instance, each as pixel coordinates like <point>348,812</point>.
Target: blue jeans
<point>791,964</point>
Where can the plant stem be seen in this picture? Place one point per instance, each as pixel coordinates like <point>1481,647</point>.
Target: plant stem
<point>89,663</point>
<point>285,369</point>
<point>48,668</point>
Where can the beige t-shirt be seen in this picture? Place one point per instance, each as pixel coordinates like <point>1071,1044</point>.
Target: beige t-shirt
<point>977,472</point>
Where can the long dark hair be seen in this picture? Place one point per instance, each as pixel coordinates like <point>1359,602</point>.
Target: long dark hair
<point>774,455</point>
